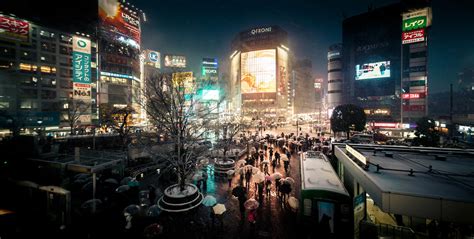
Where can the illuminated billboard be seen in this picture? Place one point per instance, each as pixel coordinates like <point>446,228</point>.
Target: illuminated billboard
<point>153,58</point>
<point>413,36</point>
<point>81,60</point>
<point>373,70</point>
<point>175,61</point>
<point>119,22</point>
<point>14,29</point>
<point>184,80</point>
<point>210,94</point>
<point>416,19</point>
<point>258,71</point>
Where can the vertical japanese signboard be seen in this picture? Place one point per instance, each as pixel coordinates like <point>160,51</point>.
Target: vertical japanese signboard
<point>81,61</point>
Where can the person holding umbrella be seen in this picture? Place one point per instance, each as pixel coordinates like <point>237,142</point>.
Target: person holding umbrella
<point>286,163</point>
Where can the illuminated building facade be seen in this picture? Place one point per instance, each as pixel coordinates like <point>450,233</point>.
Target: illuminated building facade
<point>119,39</point>
<point>335,76</point>
<point>385,62</point>
<point>259,75</point>
<point>37,75</point>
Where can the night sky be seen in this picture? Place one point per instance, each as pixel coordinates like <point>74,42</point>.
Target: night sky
<point>205,29</point>
<point>200,29</point>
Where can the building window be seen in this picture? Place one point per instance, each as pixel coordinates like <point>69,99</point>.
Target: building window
<point>28,104</point>
<point>28,93</point>
<point>7,52</point>
<point>48,94</point>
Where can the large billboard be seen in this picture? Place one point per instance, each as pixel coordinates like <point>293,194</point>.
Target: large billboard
<point>14,29</point>
<point>119,22</point>
<point>184,80</point>
<point>175,61</point>
<point>373,70</point>
<point>258,71</point>
<point>81,60</point>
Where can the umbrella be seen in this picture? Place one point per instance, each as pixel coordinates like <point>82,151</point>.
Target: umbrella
<point>111,180</point>
<point>87,187</point>
<point>259,177</point>
<point>284,158</point>
<point>209,201</point>
<point>132,209</point>
<point>268,177</point>
<point>241,162</point>
<point>203,160</point>
<point>277,176</point>
<point>153,230</point>
<point>125,180</point>
<point>133,183</point>
<point>122,188</point>
<point>247,167</point>
<point>219,209</point>
<point>293,202</point>
<point>238,191</point>
<point>288,180</point>
<point>251,204</point>
<point>82,176</point>
<point>266,161</point>
<point>255,170</point>
<point>197,176</point>
<point>230,172</point>
<point>153,211</point>
<point>89,204</point>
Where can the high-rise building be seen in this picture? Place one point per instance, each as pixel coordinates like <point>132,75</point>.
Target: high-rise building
<point>41,71</point>
<point>335,76</point>
<point>466,79</point>
<point>259,75</point>
<point>304,95</point>
<point>384,62</point>
<point>119,38</point>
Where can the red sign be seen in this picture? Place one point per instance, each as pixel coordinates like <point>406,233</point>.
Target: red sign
<point>413,36</point>
<point>414,108</point>
<point>413,96</point>
<point>14,29</point>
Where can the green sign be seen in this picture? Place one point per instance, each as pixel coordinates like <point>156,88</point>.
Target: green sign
<point>81,67</point>
<point>414,23</point>
<point>418,83</point>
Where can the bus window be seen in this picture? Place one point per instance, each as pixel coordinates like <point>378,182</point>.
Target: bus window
<point>326,216</point>
<point>307,207</point>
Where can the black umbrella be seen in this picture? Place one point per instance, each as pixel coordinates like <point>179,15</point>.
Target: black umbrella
<point>238,191</point>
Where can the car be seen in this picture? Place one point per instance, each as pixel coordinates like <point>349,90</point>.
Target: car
<point>362,138</point>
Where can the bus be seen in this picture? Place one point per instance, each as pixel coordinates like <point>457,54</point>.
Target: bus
<point>326,210</point>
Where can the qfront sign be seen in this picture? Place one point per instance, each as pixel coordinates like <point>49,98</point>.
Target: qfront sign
<point>261,30</point>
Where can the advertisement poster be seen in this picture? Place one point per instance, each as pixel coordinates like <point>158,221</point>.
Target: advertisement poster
<point>121,23</point>
<point>413,36</point>
<point>175,61</point>
<point>374,70</point>
<point>81,91</point>
<point>416,19</point>
<point>153,58</point>
<point>14,29</point>
<point>258,71</point>
<point>184,80</point>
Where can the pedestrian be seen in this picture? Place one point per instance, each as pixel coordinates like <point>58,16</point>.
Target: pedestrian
<point>262,157</point>
<point>252,217</point>
<point>285,165</point>
<point>265,169</point>
<point>248,176</point>
<point>242,198</point>
<point>274,164</point>
<point>288,155</point>
<point>198,184</point>
<point>271,153</point>
<point>229,179</point>
<point>268,187</point>
<point>241,177</point>
<point>277,186</point>
<point>204,181</point>
<point>260,191</point>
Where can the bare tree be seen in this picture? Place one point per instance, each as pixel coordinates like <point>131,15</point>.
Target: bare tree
<point>228,128</point>
<point>75,108</point>
<point>170,101</point>
<point>118,119</point>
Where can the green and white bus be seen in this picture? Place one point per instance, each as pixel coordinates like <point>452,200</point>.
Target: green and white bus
<point>326,207</point>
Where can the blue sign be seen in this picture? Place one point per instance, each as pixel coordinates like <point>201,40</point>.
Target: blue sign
<point>153,56</point>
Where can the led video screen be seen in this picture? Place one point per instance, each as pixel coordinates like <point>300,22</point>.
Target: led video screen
<point>374,70</point>
<point>258,71</point>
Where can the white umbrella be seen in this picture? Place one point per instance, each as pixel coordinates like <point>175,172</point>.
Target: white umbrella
<point>284,158</point>
<point>209,201</point>
<point>251,204</point>
<point>293,202</point>
<point>219,209</point>
<point>240,163</point>
<point>266,161</point>
<point>255,170</point>
<point>289,180</point>
<point>197,176</point>
<point>203,161</point>
<point>276,176</point>
<point>230,172</point>
<point>259,177</point>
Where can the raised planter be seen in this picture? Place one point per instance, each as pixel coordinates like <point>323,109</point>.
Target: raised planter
<point>221,167</point>
<point>176,200</point>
